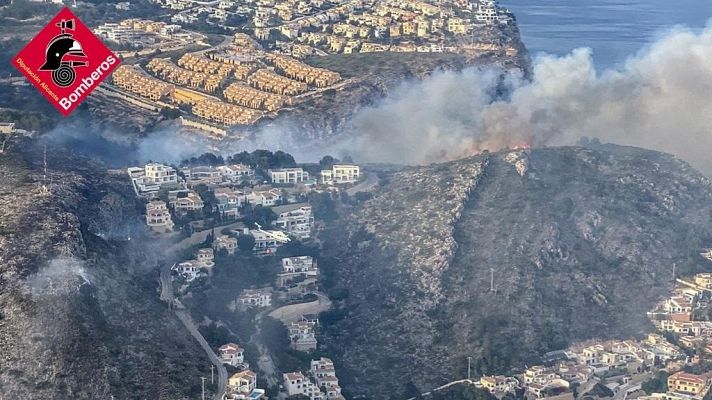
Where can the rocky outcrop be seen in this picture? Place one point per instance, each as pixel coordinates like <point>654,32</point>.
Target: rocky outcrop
<point>505,256</point>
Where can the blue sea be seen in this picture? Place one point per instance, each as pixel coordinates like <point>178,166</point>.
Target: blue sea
<point>614,29</point>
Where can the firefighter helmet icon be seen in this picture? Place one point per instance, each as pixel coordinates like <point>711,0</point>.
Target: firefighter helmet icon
<point>63,54</point>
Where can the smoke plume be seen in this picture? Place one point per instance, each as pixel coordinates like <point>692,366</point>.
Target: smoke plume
<point>660,99</point>
<point>63,276</point>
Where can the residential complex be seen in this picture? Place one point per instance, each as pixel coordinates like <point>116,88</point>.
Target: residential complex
<point>321,382</point>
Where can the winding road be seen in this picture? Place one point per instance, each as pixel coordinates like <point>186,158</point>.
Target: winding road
<point>291,313</point>
<point>184,316</point>
<point>370,182</point>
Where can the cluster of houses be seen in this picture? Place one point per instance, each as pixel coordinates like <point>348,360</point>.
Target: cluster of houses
<point>320,383</point>
<point>241,385</point>
<point>577,366</point>
<point>676,314</point>
<point>332,26</point>
<point>382,25</point>
<point>299,276</point>
<point>623,366</point>
<point>294,220</point>
<point>146,35</point>
<point>228,85</point>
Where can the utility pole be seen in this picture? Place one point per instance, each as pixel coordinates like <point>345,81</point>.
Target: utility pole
<point>491,279</point>
<point>674,266</point>
<point>202,378</point>
<point>45,188</point>
<point>469,360</point>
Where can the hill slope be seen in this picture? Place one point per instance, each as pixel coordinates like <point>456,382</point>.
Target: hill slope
<point>79,313</point>
<point>580,242</point>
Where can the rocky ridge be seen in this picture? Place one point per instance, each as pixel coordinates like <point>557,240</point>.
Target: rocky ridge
<point>576,243</point>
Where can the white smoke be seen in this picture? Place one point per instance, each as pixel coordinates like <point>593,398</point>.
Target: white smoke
<point>660,99</point>
<point>61,277</point>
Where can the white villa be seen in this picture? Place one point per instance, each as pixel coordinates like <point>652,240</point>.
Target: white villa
<point>264,198</point>
<point>229,201</point>
<point>202,175</point>
<point>288,175</point>
<point>231,354</point>
<point>297,384</point>
<point>147,181</point>
<point>224,242</point>
<point>188,269</point>
<point>256,297</point>
<point>302,336</point>
<point>158,218</point>
<point>184,201</point>
<point>295,219</point>
<point>236,172</point>
<point>300,266</point>
<point>340,173</point>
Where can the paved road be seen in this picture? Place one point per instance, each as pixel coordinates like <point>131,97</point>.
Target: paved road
<point>370,182</point>
<point>292,312</point>
<point>445,386</point>
<point>166,284</point>
<point>167,295</point>
<point>222,372</point>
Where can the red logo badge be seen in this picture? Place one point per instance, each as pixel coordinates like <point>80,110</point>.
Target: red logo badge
<point>65,61</point>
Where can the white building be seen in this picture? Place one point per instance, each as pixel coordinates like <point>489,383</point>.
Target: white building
<point>227,243</point>
<point>256,297</point>
<point>324,373</point>
<point>188,270</point>
<point>231,354</point>
<point>288,175</point>
<point>295,219</point>
<point>298,267</point>
<point>295,383</point>
<point>184,201</point>
<point>201,175</point>
<point>264,198</point>
<point>302,335</point>
<point>243,385</point>
<point>7,128</point>
<point>236,172</point>
<point>229,201</point>
<point>205,258</point>
<point>341,173</point>
<point>147,181</point>
<point>489,12</point>
<point>158,218</point>
<point>267,241</point>
<point>304,264</point>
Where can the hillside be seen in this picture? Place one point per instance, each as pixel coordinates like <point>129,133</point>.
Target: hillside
<point>79,314</point>
<point>580,243</point>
